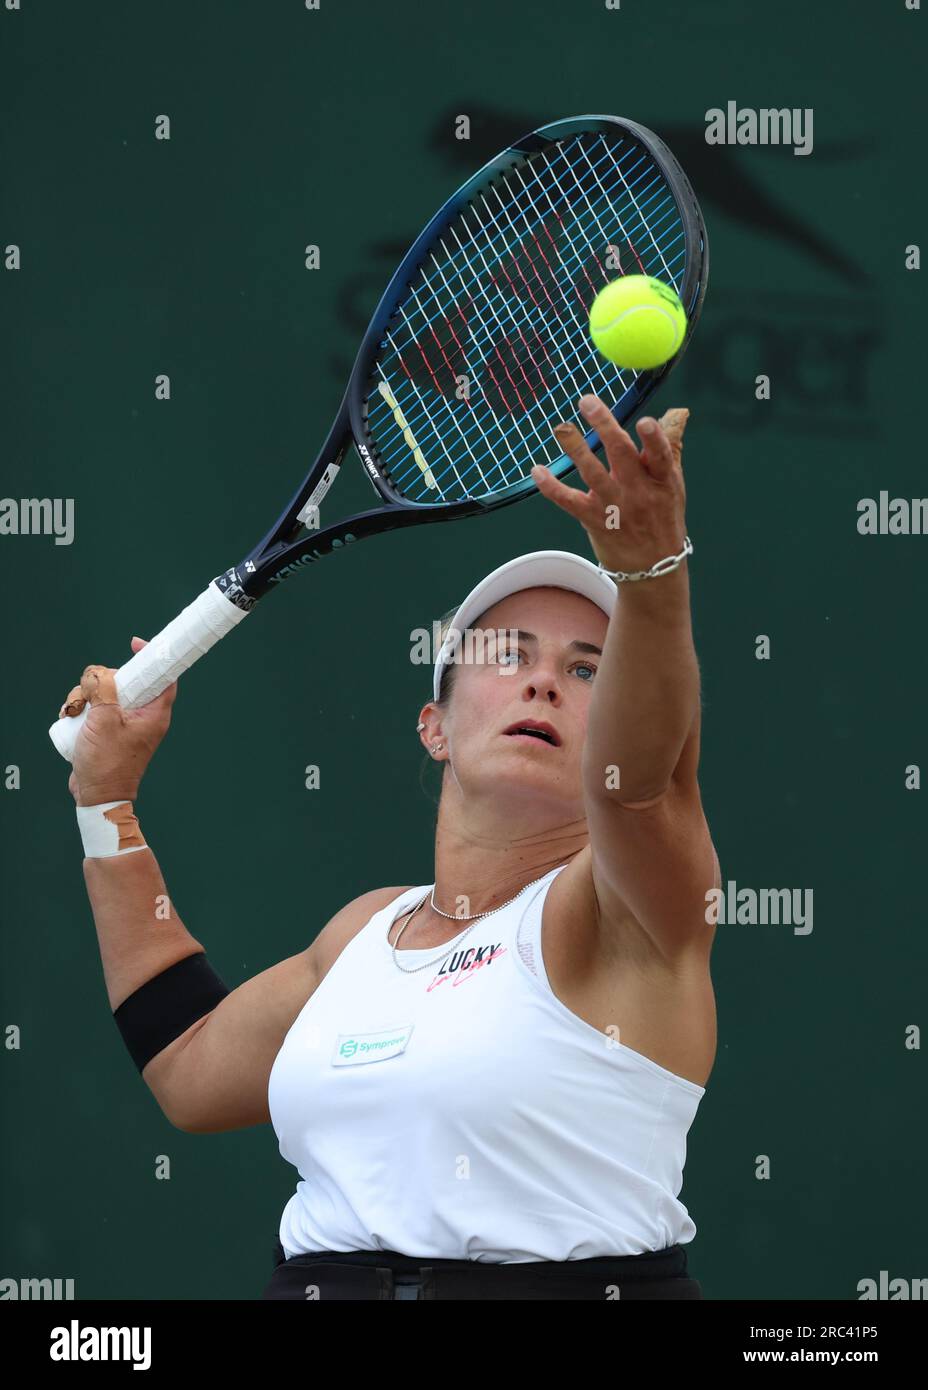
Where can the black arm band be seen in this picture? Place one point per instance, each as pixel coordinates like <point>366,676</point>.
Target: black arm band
<point>165,1006</point>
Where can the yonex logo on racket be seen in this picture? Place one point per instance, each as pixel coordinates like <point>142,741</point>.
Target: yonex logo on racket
<point>365,458</point>
<point>294,565</point>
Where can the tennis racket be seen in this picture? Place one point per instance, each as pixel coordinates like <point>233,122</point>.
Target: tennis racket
<point>480,342</point>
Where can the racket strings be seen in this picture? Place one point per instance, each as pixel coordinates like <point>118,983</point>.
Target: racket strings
<point>491,345</point>
<point>540,257</point>
<point>513,398</point>
<point>506,393</point>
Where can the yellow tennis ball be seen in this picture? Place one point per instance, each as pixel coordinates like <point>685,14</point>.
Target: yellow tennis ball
<point>637,322</point>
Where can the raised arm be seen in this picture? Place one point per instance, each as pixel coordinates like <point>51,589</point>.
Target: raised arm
<point>652,854</point>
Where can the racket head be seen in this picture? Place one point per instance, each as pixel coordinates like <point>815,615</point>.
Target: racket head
<point>481,340</point>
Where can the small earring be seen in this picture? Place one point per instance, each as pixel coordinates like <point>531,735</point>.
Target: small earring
<point>436,746</point>
<point>420,726</point>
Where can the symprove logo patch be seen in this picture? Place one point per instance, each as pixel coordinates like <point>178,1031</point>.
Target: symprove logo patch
<point>352,1049</point>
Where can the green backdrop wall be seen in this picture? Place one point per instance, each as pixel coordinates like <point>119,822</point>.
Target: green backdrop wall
<point>142,256</point>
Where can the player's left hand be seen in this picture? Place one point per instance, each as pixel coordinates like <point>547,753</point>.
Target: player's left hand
<point>634,510</point>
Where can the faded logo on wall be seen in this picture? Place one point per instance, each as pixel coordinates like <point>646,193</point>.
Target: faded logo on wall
<point>817,348</point>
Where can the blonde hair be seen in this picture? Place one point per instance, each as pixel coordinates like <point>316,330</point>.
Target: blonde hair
<point>444,695</point>
<point>446,684</point>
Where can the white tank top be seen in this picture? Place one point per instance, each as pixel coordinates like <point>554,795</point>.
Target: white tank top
<point>464,1112</point>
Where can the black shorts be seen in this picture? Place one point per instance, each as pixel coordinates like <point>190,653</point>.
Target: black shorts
<point>386,1274</point>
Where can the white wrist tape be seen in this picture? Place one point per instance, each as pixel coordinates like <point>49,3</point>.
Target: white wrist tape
<point>109,828</point>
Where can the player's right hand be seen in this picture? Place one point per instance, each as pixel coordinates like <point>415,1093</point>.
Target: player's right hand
<point>115,745</point>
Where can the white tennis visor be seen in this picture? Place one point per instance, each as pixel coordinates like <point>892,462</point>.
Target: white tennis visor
<point>558,569</point>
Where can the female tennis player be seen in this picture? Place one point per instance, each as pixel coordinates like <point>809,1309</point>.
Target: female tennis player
<point>485,1083</point>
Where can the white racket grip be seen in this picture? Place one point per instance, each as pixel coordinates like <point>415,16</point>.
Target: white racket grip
<point>173,651</point>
